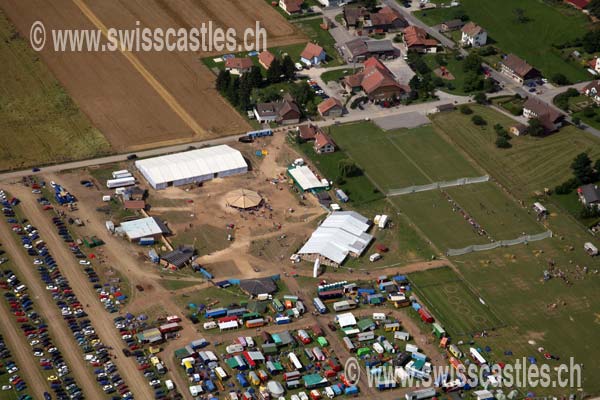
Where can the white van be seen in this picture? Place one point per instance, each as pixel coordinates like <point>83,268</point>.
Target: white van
<point>20,288</point>
<point>210,325</point>
<point>169,384</point>
<point>329,392</point>
<point>374,257</point>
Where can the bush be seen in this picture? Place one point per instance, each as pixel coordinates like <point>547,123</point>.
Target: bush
<point>589,212</point>
<point>559,79</point>
<point>480,98</point>
<point>503,143</point>
<point>567,187</point>
<point>348,168</point>
<point>465,109</point>
<point>478,120</point>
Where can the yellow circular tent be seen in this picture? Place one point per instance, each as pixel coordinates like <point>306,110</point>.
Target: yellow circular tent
<point>243,198</point>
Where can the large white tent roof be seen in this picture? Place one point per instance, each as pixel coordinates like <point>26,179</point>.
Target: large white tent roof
<point>142,227</point>
<point>346,319</point>
<point>341,233</point>
<point>306,178</point>
<point>206,161</point>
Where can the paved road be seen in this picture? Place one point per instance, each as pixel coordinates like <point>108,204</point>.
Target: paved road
<point>63,338</point>
<point>70,268</point>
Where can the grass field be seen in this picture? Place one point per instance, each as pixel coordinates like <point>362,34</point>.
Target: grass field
<point>531,40</point>
<point>336,74</point>
<point>532,164</point>
<point>404,157</point>
<point>455,67</point>
<point>453,302</point>
<point>39,122</point>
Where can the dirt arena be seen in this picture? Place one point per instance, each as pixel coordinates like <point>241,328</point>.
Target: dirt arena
<point>141,100</point>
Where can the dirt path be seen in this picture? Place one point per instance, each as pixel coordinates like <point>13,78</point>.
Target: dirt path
<point>101,320</point>
<point>63,339</point>
<point>22,354</point>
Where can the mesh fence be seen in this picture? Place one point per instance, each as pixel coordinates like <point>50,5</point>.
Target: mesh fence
<point>501,243</point>
<point>438,185</point>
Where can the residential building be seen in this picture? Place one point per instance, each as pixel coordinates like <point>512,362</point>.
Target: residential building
<point>550,118</point>
<point>592,90</point>
<point>307,132</point>
<point>331,107</point>
<point>313,54</point>
<point>386,19</point>
<point>354,16</point>
<point>334,3</point>
<point>238,66</point>
<point>284,111</point>
<point>416,39</point>
<point>451,25</point>
<point>579,4</point>
<point>518,69</point>
<point>473,35</point>
<point>266,58</point>
<point>377,81</point>
<point>323,143</point>
<point>589,195</point>
<point>361,48</point>
<point>291,6</point>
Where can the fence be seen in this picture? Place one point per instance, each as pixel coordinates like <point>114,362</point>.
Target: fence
<point>501,243</point>
<point>438,185</point>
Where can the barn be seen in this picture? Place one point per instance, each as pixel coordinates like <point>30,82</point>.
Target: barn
<point>193,166</point>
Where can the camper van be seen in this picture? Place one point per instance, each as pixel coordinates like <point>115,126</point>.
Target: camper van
<point>210,325</point>
<point>374,257</point>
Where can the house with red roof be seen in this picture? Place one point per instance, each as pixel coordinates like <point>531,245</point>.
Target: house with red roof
<point>331,107</point>
<point>291,6</point>
<point>377,81</point>
<point>266,58</point>
<point>592,90</point>
<point>307,132</point>
<point>323,143</point>
<point>238,66</point>
<point>416,39</point>
<point>313,54</point>
<point>579,4</point>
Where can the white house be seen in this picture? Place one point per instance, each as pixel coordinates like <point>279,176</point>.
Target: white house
<point>313,54</point>
<point>473,35</point>
<point>592,90</point>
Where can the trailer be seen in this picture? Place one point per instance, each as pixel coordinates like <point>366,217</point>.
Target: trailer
<point>348,344</point>
<point>343,197</point>
<point>344,305</point>
<point>331,294</point>
<point>476,356</point>
<point>295,361</point>
<point>365,336</point>
<point>120,182</point>
<point>259,133</point>
<point>438,331</point>
<point>215,313</point>
<point>255,323</point>
<point>291,376</point>
<point>318,353</point>
<point>455,351</point>
<point>242,380</point>
<point>420,394</point>
<point>120,173</point>
<point>319,305</point>
<point>425,316</point>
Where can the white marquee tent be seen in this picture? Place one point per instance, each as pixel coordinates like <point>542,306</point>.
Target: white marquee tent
<point>192,166</point>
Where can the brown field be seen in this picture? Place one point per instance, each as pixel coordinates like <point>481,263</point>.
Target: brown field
<point>140,100</point>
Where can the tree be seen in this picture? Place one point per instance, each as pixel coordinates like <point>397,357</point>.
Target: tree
<point>559,79</point>
<point>591,41</point>
<point>473,82</point>
<point>576,121</point>
<point>302,93</point>
<point>597,167</point>
<point>594,8</point>
<point>465,109</point>
<point>370,4</point>
<point>254,77</point>
<point>288,68</point>
<point>503,143</point>
<point>520,14</point>
<point>223,81</point>
<point>274,71</point>
<point>472,63</point>
<point>478,120</point>
<point>245,89</point>
<point>582,168</point>
<point>480,98</point>
<point>347,168</point>
<point>232,91</point>
<point>535,127</point>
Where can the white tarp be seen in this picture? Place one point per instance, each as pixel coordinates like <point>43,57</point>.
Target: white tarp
<point>192,166</point>
<point>341,233</point>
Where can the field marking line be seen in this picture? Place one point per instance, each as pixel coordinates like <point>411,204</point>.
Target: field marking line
<point>152,81</point>
<point>410,160</point>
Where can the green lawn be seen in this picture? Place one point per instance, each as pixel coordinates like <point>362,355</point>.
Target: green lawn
<point>359,189</point>
<point>532,40</point>
<point>451,300</point>
<point>532,164</point>
<point>455,67</point>
<point>312,28</point>
<point>174,284</point>
<point>336,74</point>
<point>39,123</point>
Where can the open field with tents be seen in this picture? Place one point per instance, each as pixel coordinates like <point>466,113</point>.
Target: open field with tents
<point>543,25</point>
<point>458,309</point>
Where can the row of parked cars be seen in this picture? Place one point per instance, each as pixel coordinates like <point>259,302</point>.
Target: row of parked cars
<point>95,352</point>
<point>152,370</point>
<point>8,366</point>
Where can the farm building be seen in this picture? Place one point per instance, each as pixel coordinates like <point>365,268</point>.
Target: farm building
<point>178,257</point>
<point>258,286</point>
<point>308,132</point>
<point>343,233</point>
<point>150,227</point>
<point>377,81</point>
<point>192,166</point>
<point>549,117</point>
<point>451,25</point>
<point>331,107</point>
<point>361,48</point>
<point>306,180</point>
<point>416,39</point>
<point>518,69</point>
